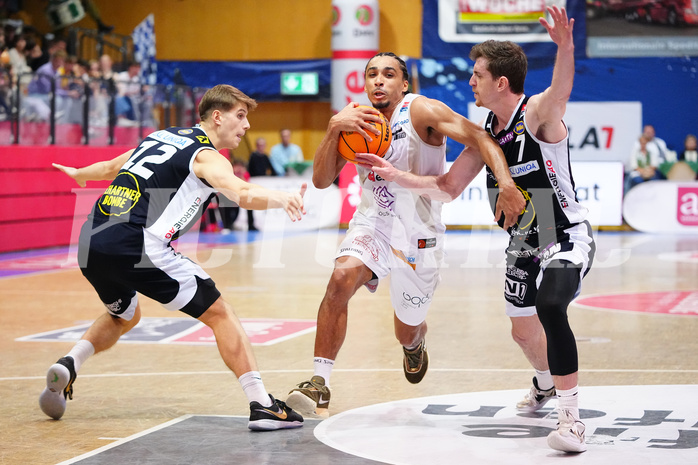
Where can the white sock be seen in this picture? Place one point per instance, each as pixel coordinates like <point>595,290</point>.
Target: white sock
<point>81,352</point>
<point>254,389</point>
<point>545,380</point>
<point>569,400</point>
<point>323,367</point>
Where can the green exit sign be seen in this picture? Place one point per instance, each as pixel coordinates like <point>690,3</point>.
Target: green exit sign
<point>299,84</point>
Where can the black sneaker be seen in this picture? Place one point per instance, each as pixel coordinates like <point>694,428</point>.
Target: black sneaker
<point>59,387</point>
<point>277,416</point>
<point>416,362</point>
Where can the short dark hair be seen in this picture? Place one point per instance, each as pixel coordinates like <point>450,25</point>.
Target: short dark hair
<point>401,63</point>
<point>223,97</point>
<point>504,58</point>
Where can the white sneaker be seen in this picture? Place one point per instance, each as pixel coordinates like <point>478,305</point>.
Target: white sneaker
<point>536,398</point>
<point>59,387</point>
<point>569,436</point>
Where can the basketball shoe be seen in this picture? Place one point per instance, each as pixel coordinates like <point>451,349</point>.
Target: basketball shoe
<point>416,362</point>
<point>311,398</point>
<point>536,398</point>
<point>569,436</point>
<point>59,387</point>
<point>277,416</point>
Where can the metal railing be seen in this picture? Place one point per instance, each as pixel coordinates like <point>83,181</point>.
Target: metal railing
<point>90,44</point>
<point>76,111</point>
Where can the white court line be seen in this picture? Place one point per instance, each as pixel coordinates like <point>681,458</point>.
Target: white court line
<point>354,370</point>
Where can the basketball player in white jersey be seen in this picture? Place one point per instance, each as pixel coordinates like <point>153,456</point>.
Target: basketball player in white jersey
<point>551,246</point>
<point>394,231</point>
<point>158,192</point>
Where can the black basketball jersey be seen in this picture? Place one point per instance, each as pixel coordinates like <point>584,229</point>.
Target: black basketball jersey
<point>542,172</point>
<point>154,198</point>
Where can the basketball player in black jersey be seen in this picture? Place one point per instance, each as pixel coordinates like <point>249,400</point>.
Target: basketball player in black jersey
<point>158,191</point>
<point>551,247</point>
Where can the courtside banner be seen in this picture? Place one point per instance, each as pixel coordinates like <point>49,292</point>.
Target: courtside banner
<point>455,25</point>
<point>662,207</point>
<point>599,131</point>
<point>599,187</point>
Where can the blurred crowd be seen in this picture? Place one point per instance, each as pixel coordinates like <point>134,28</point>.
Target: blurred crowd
<point>38,66</point>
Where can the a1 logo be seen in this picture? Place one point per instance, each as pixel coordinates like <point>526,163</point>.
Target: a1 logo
<point>687,206</point>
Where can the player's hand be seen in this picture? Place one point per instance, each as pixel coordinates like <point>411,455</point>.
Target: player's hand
<point>357,118</point>
<point>561,31</point>
<point>379,165</point>
<point>294,204</point>
<point>72,172</point>
<point>510,203</point>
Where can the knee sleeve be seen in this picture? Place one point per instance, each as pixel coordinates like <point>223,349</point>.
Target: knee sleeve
<point>557,289</point>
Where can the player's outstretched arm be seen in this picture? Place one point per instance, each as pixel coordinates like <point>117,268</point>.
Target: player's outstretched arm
<point>444,188</point>
<point>443,119</point>
<point>546,110</point>
<point>218,172</point>
<point>100,171</point>
<point>327,162</point>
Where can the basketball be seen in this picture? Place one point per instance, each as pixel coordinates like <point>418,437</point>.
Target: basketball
<point>353,142</point>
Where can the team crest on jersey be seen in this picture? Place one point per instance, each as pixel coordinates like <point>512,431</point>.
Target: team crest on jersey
<point>185,131</point>
<point>519,128</point>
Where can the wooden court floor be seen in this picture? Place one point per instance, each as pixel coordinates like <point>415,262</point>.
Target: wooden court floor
<point>133,387</point>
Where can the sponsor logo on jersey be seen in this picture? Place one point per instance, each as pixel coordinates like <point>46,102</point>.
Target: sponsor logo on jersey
<point>118,200</point>
<point>548,252</point>
<point>399,134</point>
<point>366,242</point>
<point>203,140</point>
<point>519,128</point>
<point>185,131</point>
<point>426,243</point>
<point>508,137</point>
<point>185,219</point>
<point>516,272</point>
<point>374,177</point>
<point>524,168</point>
<point>383,197</point>
<point>552,177</point>
<point>115,307</point>
<point>404,107</point>
<point>514,291</point>
<point>414,300</point>
<point>172,139</point>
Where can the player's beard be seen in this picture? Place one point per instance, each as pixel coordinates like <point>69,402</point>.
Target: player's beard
<point>383,104</point>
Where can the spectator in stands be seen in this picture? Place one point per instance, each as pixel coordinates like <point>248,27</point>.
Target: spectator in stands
<point>106,65</point>
<point>259,163</point>
<point>128,100</point>
<point>37,102</point>
<point>33,51</point>
<point>53,44</point>
<point>644,163</point>
<point>69,92</point>
<point>18,59</point>
<point>656,146</point>
<point>285,153</point>
<point>689,153</point>
<point>99,93</point>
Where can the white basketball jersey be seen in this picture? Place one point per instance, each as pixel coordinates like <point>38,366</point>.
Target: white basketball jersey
<point>408,221</point>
